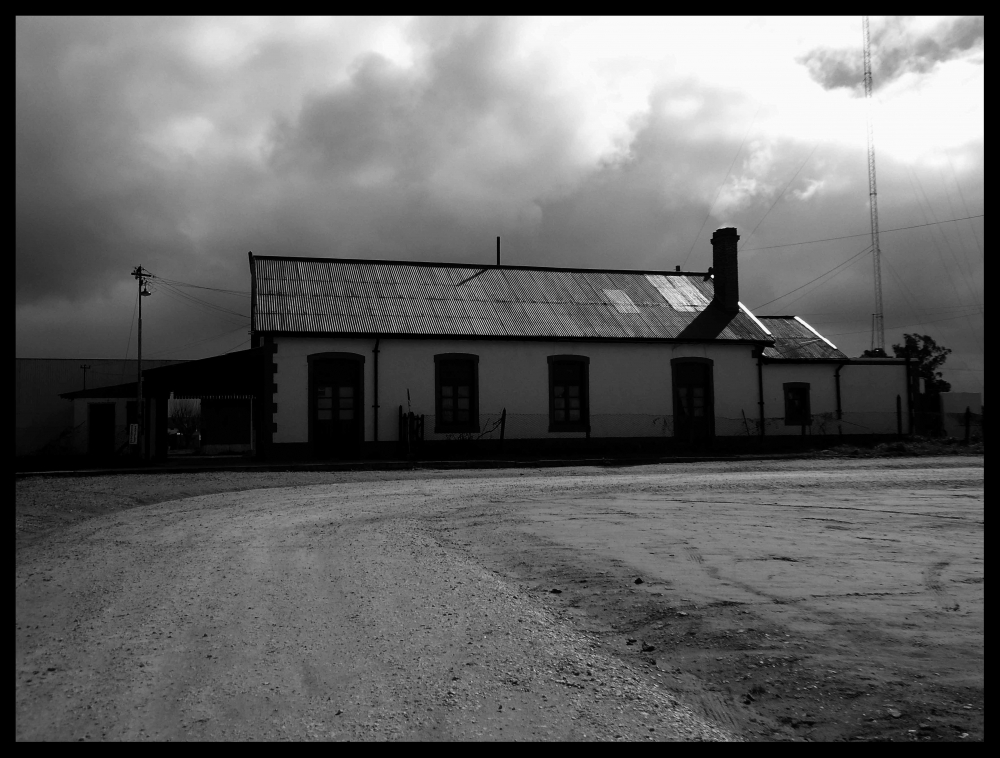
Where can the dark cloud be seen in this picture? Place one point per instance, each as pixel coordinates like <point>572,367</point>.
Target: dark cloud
<point>895,51</point>
<point>180,144</point>
<point>410,161</point>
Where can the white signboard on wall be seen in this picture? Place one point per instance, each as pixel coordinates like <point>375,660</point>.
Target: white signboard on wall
<point>133,434</point>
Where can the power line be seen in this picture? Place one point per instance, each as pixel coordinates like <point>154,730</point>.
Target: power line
<point>128,344</point>
<point>968,274</point>
<point>200,286</point>
<point>912,175</point>
<point>232,349</point>
<point>183,301</point>
<point>921,310</point>
<point>198,342</point>
<point>857,254</point>
<point>863,234</point>
<point>206,303</point>
<point>965,206</point>
<point>723,184</point>
<point>901,326</point>
<point>782,192</point>
<point>176,293</point>
<point>937,247</point>
<point>845,268</point>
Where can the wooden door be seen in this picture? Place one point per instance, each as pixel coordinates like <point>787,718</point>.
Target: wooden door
<point>694,411</point>
<point>336,408</point>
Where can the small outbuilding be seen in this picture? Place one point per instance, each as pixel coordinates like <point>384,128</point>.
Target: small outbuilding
<point>228,386</point>
<point>820,390</point>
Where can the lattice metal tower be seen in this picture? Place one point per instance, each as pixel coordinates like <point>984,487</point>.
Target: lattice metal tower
<point>878,326</point>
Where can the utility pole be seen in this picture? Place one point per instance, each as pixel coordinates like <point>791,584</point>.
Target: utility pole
<point>141,277</point>
<point>85,366</point>
<point>878,325</point>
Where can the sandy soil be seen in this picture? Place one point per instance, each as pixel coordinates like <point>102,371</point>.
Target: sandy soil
<point>778,600</point>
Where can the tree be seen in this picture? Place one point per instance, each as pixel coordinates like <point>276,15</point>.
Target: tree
<point>928,357</point>
<point>185,417</point>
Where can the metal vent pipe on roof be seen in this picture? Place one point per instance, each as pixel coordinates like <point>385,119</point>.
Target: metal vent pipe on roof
<point>498,251</point>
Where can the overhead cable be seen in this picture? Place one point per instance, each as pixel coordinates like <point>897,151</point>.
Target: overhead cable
<point>844,263</point>
<point>782,193</point>
<point>862,234</point>
<point>723,184</point>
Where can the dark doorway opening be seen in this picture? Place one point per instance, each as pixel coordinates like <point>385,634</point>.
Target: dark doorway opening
<point>694,400</point>
<point>336,405</point>
<point>101,429</point>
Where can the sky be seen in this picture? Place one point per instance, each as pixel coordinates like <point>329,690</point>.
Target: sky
<point>180,144</point>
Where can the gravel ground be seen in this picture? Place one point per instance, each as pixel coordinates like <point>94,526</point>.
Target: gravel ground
<point>420,605</point>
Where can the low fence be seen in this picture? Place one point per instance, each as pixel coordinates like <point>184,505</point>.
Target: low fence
<point>966,426</point>
<point>501,425</point>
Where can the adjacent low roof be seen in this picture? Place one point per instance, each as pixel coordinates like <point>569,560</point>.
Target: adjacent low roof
<point>794,339</point>
<point>395,298</point>
<point>233,375</point>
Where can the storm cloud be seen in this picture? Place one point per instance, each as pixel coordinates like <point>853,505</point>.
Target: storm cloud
<point>896,50</point>
<point>180,144</point>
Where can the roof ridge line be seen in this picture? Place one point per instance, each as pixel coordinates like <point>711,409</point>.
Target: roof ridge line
<point>486,266</point>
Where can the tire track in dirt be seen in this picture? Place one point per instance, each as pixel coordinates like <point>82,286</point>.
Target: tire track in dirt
<point>932,579</point>
<point>693,554</point>
<point>322,614</point>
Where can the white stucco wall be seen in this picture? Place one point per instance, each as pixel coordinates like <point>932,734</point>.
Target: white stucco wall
<point>630,384</point>
<point>868,395</point>
<point>822,396</point>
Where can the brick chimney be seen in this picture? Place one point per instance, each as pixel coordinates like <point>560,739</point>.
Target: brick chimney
<point>725,269</point>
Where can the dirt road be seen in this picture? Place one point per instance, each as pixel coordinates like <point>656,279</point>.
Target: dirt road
<point>807,599</point>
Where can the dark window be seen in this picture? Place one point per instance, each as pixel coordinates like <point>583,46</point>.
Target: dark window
<point>797,404</point>
<point>569,393</point>
<point>456,396</point>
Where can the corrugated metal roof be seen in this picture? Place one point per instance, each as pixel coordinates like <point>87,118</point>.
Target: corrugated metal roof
<point>323,296</point>
<point>794,338</point>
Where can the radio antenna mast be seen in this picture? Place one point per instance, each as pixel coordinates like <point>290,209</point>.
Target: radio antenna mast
<point>878,324</point>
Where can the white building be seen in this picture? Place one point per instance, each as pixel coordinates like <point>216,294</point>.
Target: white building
<point>819,390</point>
<point>541,356</point>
